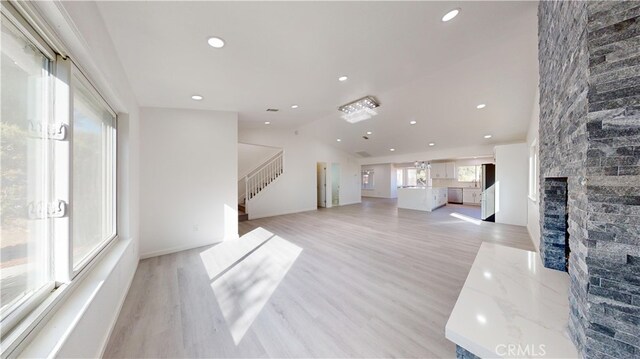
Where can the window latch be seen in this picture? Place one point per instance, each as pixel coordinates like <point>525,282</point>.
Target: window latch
<point>54,131</point>
<point>57,209</point>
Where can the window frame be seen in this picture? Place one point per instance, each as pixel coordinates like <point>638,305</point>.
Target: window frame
<point>22,323</point>
<point>77,74</point>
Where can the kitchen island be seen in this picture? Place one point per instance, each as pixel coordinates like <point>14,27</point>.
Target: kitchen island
<point>422,198</point>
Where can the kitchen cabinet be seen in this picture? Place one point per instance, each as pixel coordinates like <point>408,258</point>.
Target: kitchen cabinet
<point>471,196</point>
<point>422,198</point>
<point>443,170</point>
<point>450,168</point>
<point>438,170</point>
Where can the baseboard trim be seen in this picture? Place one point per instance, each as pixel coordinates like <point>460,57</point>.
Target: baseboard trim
<point>162,252</point>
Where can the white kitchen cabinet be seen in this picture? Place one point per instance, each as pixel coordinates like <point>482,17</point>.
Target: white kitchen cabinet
<point>471,196</point>
<point>422,198</point>
<point>439,170</point>
<point>443,170</point>
<point>450,170</point>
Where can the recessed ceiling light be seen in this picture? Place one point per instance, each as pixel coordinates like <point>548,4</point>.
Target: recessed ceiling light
<point>450,15</point>
<point>481,106</point>
<point>267,122</point>
<point>294,106</point>
<point>196,97</point>
<point>342,78</point>
<point>216,42</point>
<point>412,122</point>
<point>339,140</point>
<point>431,144</point>
<point>369,132</point>
<point>487,136</point>
<point>392,149</point>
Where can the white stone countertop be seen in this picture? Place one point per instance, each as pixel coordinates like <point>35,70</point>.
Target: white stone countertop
<point>512,306</point>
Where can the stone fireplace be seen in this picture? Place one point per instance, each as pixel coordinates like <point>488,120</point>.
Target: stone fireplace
<point>554,242</point>
<point>589,56</point>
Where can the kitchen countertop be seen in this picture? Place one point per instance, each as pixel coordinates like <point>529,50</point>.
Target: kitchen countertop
<point>511,300</point>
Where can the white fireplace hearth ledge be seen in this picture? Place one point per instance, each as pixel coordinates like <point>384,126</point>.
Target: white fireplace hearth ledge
<point>512,306</point>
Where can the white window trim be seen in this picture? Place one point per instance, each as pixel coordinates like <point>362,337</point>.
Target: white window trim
<point>39,308</point>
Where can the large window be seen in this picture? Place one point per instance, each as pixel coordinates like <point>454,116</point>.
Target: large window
<point>367,179</point>
<point>57,175</point>
<point>469,173</point>
<point>93,171</point>
<point>400,177</point>
<point>412,177</point>
<point>25,272</point>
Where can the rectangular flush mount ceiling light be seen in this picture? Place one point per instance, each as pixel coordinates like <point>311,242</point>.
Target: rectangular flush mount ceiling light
<point>359,110</point>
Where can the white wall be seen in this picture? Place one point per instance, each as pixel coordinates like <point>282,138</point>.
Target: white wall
<point>533,209</point>
<point>384,181</point>
<point>189,162</point>
<point>81,325</point>
<point>512,167</point>
<point>252,156</point>
<point>295,190</point>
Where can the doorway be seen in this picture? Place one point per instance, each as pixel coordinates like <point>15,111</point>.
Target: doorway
<point>335,184</point>
<point>321,169</point>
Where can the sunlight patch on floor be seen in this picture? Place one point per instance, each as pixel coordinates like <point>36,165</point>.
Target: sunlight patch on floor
<point>465,218</point>
<point>244,286</point>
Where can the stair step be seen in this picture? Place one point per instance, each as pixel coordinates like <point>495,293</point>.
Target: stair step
<point>242,216</point>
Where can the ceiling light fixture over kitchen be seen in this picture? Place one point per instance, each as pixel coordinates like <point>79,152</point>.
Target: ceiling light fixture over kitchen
<point>412,122</point>
<point>197,97</point>
<point>294,106</point>
<point>342,78</point>
<point>339,140</point>
<point>450,15</point>
<point>392,149</point>
<point>369,132</point>
<point>359,110</point>
<point>487,136</point>
<point>431,144</point>
<point>481,106</point>
<point>267,122</point>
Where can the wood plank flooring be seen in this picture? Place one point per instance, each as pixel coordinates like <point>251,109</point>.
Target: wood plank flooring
<point>365,280</point>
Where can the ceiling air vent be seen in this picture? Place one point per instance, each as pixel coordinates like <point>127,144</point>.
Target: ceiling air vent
<point>272,110</point>
<point>363,154</point>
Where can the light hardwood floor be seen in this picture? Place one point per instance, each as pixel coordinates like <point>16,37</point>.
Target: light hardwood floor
<point>365,280</point>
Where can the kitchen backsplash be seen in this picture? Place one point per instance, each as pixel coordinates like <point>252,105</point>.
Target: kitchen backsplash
<point>452,183</point>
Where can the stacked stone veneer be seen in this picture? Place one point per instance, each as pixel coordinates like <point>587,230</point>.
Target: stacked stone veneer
<point>554,224</point>
<point>589,54</point>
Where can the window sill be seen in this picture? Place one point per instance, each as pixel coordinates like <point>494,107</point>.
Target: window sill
<point>533,199</point>
<point>40,334</point>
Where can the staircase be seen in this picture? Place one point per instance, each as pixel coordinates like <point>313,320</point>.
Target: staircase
<point>257,180</point>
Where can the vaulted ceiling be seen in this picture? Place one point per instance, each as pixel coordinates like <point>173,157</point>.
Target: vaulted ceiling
<point>278,54</point>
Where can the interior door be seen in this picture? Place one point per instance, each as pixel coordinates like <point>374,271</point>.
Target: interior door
<point>322,184</point>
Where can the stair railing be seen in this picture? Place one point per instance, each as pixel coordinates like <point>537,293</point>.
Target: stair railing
<point>263,175</point>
